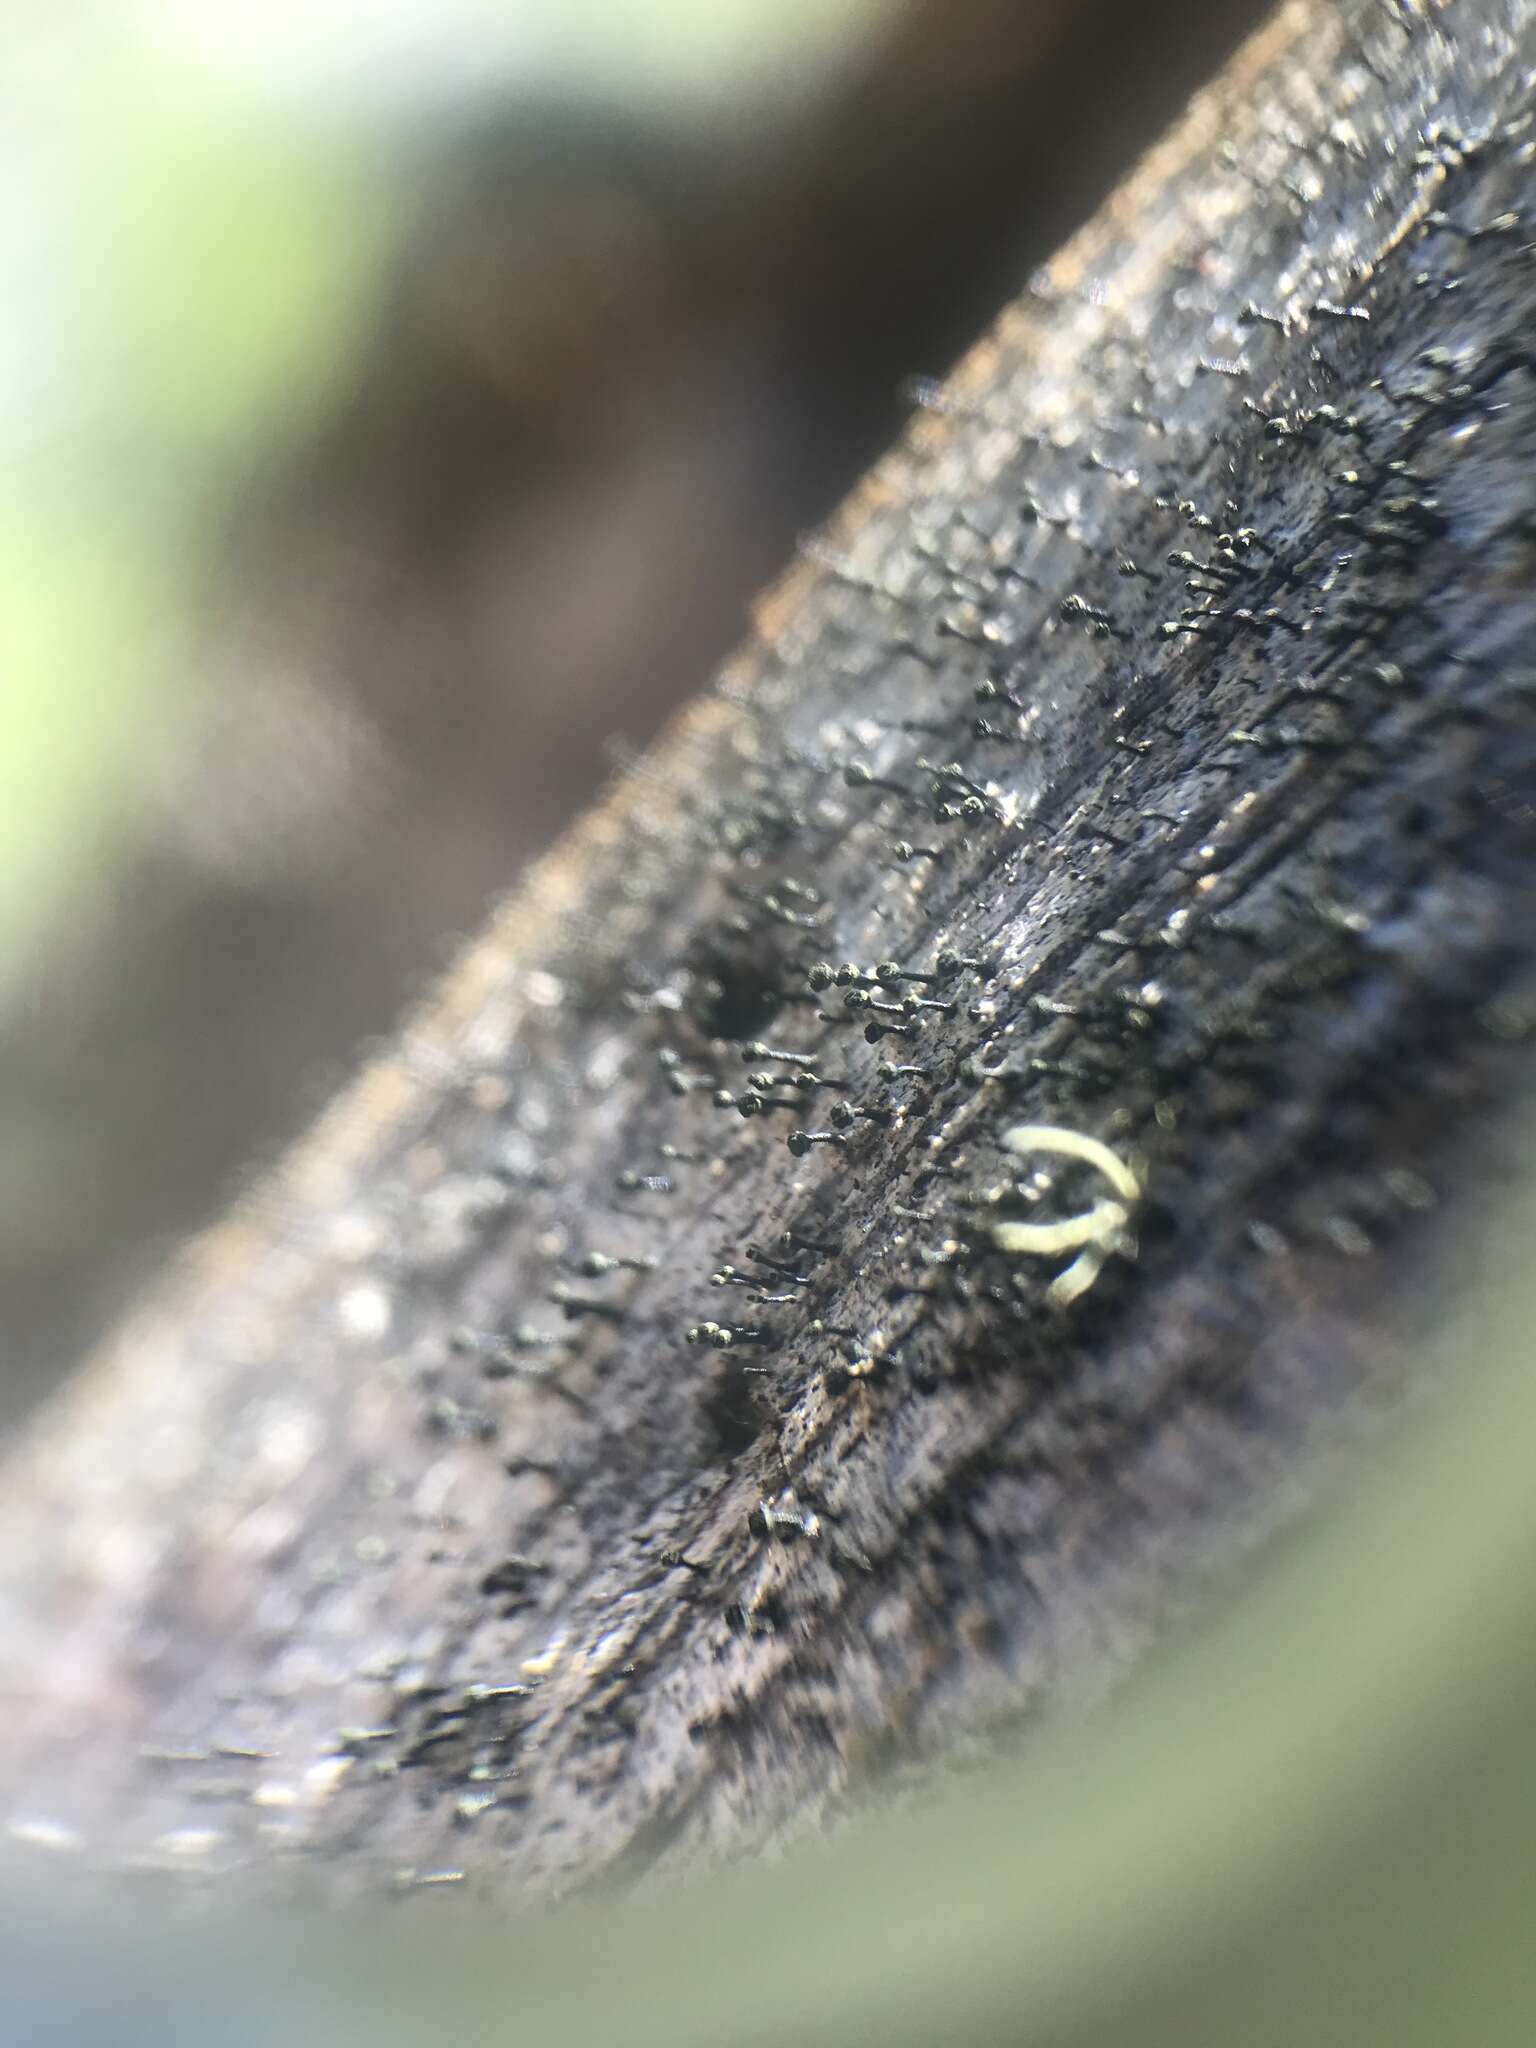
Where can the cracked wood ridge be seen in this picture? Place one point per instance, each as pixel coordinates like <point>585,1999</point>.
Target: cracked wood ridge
<point>1145,754</point>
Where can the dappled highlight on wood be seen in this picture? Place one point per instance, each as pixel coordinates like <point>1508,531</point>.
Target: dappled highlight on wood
<point>1144,759</point>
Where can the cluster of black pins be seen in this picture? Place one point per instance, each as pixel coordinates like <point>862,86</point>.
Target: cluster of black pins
<point>520,1353</point>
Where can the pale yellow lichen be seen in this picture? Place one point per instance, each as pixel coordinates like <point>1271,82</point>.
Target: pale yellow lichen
<point>1094,1233</point>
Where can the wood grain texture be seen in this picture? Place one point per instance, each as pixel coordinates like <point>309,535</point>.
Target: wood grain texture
<point>1187,641</point>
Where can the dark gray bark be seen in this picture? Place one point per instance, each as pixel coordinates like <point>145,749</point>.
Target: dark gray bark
<point>1184,652</point>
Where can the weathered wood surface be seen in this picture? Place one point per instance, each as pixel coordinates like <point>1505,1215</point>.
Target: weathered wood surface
<point>408,1534</point>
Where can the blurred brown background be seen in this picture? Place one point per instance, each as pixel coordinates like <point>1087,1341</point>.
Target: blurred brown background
<point>612,361</point>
